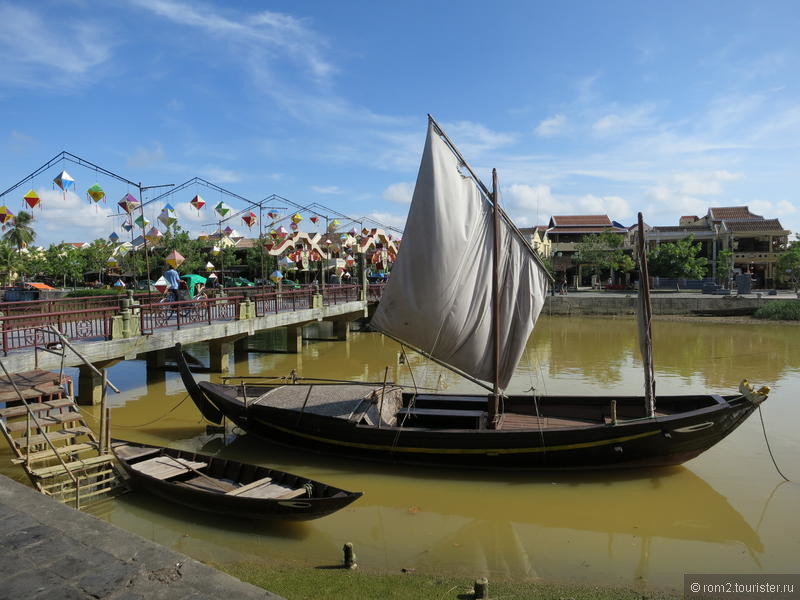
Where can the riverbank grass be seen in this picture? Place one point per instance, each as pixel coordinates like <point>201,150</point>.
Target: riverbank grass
<point>333,583</point>
<point>779,310</point>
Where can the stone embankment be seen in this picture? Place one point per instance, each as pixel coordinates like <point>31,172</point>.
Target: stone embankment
<point>53,551</point>
<point>663,303</point>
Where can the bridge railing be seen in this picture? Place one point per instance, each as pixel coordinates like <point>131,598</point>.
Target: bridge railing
<point>25,331</point>
<point>168,315</point>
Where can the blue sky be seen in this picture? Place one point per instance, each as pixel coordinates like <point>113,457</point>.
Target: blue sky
<point>583,107</point>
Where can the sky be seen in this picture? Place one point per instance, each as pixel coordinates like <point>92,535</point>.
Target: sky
<point>584,107</point>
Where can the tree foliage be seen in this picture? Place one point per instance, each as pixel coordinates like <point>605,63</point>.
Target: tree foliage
<point>602,252</point>
<point>678,260</point>
<point>788,265</point>
<point>21,234</point>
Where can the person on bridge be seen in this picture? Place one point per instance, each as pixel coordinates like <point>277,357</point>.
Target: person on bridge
<point>173,283</point>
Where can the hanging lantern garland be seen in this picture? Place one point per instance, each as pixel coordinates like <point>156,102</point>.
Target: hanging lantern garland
<point>5,216</point>
<point>96,193</point>
<point>64,181</point>
<point>197,202</point>
<point>250,219</point>
<point>32,199</point>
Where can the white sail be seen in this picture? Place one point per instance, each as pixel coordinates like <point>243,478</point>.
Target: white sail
<point>439,295</point>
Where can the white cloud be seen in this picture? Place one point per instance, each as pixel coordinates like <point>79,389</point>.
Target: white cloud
<point>49,53</point>
<point>473,138</point>
<point>615,207</point>
<point>531,204</point>
<point>704,184</point>
<point>400,193</point>
<point>220,175</point>
<point>390,219</point>
<point>327,190</point>
<point>70,218</point>
<point>263,32</point>
<point>551,126</point>
<point>147,157</point>
<point>620,122</point>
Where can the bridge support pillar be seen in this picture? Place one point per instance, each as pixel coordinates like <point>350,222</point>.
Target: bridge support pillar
<point>156,358</point>
<point>240,349</point>
<point>220,352</point>
<point>294,339</point>
<point>90,384</point>
<point>341,329</point>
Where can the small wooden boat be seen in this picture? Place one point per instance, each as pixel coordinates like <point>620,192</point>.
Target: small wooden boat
<point>227,487</point>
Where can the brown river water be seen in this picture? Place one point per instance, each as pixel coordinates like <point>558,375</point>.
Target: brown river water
<point>723,512</point>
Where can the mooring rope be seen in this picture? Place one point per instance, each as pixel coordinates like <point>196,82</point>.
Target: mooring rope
<point>155,420</point>
<point>766,439</point>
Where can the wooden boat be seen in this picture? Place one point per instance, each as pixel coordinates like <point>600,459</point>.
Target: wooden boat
<point>477,326</point>
<point>227,487</point>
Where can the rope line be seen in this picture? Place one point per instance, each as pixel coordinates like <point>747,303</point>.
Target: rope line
<point>766,439</point>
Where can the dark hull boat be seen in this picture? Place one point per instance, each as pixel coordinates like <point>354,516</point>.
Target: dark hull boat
<point>446,430</point>
<point>227,487</point>
<point>474,314</point>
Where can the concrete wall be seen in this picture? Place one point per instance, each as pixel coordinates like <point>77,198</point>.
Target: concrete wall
<point>594,304</point>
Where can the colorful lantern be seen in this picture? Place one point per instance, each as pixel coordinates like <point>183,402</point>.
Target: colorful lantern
<point>167,216</point>
<point>5,216</point>
<point>65,181</point>
<point>281,232</point>
<point>175,259</point>
<point>276,276</point>
<point>154,235</point>
<point>286,263</point>
<point>250,219</point>
<point>128,203</point>
<point>215,250</point>
<point>141,221</point>
<point>112,263</point>
<point>127,225</point>
<point>294,226</point>
<point>273,215</point>
<point>228,230</point>
<point>333,225</point>
<point>349,260</point>
<point>222,209</point>
<point>114,237</point>
<point>365,232</point>
<point>197,202</point>
<point>95,193</point>
<point>314,220</point>
<point>210,267</point>
<point>32,198</point>
<point>296,218</point>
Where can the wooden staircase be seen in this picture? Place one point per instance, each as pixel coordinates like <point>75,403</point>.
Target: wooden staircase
<point>50,439</point>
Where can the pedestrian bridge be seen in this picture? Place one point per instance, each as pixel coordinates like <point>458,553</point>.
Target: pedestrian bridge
<point>105,331</point>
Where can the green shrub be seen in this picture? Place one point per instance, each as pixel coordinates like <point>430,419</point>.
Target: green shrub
<point>779,310</point>
<point>93,292</point>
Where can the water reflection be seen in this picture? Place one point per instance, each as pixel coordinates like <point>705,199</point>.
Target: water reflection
<point>622,528</point>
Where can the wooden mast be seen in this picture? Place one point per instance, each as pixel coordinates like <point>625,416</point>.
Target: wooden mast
<point>494,399</point>
<point>645,330</point>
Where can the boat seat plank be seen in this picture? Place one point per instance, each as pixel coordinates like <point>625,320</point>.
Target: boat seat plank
<point>272,491</point>
<point>441,412</point>
<point>162,467</point>
<point>127,452</point>
<point>217,486</point>
<point>446,398</point>
<point>252,485</point>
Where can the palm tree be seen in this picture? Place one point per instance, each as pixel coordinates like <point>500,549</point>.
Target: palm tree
<point>8,263</point>
<point>21,234</point>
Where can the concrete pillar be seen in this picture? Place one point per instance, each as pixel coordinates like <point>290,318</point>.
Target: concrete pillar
<point>90,384</point>
<point>341,329</point>
<point>219,355</point>
<point>220,352</point>
<point>156,359</point>
<point>294,339</point>
<point>240,347</point>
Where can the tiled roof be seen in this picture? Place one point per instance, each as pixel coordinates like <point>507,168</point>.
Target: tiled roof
<point>576,230</point>
<point>687,228</point>
<point>762,226</point>
<point>730,213</point>
<point>580,220</point>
